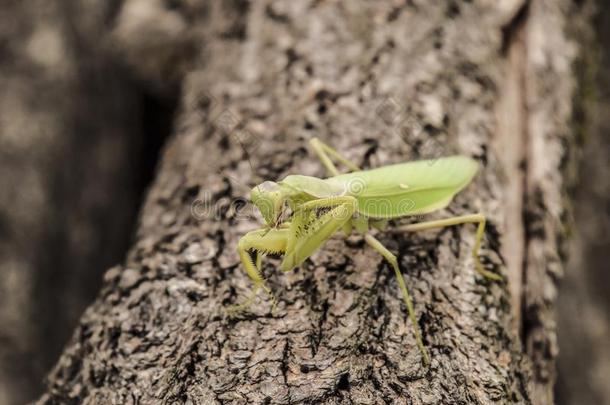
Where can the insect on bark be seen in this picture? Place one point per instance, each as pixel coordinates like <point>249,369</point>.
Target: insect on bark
<point>358,200</point>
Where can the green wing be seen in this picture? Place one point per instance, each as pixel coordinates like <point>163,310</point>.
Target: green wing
<point>313,186</point>
<point>409,188</point>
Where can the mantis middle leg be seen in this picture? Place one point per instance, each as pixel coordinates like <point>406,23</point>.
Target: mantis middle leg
<point>323,150</point>
<point>463,219</point>
<point>391,258</point>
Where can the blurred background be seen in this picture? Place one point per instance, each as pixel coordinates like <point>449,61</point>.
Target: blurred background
<point>584,301</point>
<point>79,141</point>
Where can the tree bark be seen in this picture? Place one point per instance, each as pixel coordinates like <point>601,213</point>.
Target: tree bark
<point>383,82</point>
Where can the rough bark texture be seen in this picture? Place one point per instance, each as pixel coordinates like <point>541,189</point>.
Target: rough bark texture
<point>384,82</point>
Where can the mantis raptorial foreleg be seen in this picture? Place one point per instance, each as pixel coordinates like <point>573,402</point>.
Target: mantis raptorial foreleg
<point>261,242</point>
<point>391,258</point>
<point>308,231</point>
<point>463,219</point>
<point>323,150</point>
<point>297,239</point>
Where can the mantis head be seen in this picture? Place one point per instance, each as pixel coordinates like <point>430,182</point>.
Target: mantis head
<point>269,199</point>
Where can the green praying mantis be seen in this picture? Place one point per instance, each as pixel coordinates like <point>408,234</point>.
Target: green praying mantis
<point>358,200</point>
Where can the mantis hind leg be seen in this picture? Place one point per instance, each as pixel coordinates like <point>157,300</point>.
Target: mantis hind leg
<point>323,151</point>
<point>459,220</point>
<point>391,258</point>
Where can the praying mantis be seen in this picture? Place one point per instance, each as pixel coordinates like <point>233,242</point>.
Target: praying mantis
<point>358,200</point>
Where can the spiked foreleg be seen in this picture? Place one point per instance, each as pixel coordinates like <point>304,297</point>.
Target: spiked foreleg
<point>260,242</point>
<point>309,231</point>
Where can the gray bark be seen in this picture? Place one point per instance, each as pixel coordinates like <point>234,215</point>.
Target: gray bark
<point>383,82</point>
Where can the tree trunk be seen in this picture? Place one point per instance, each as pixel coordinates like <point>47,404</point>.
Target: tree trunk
<point>383,82</point>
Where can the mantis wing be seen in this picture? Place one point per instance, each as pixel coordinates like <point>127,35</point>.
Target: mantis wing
<point>408,188</point>
<point>313,186</point>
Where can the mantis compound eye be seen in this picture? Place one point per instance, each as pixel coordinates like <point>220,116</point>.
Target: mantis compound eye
<point>267,197</point>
